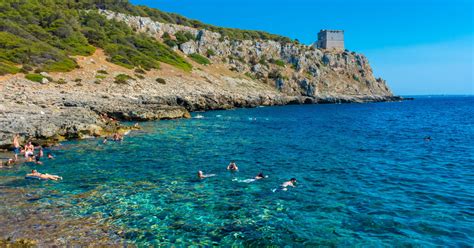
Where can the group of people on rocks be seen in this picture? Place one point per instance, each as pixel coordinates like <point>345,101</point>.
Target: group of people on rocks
<point>233,167</point>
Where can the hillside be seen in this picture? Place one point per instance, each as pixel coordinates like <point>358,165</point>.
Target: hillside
<point>65,63</point>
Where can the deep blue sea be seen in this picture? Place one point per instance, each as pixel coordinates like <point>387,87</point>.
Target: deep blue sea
<point>365,177</point>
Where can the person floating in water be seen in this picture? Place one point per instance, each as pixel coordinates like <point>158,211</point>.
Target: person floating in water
<point>105,140</point>
<point>36,174</point>
<point>290,183</point>
<point>232,166</point>
<point>201,175</point>
<point>427,138</point>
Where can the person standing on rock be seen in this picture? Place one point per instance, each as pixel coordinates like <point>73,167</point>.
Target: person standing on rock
<point>16,145</point>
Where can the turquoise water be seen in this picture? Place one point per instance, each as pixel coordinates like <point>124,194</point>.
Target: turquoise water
<point>365,177</point>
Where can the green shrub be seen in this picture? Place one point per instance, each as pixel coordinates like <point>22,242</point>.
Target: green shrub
<point>210,53</point>
<point>139,76</point>
<point>34,77</point>
<point>8,68</point>
<point>262,61</point>
<point>100,76</point>
<point>97,81</point>
<point>161,81</point>
<point>61,66</point>
<point>61,81</point>
<point>198,58</point>
<point>355,77</point>
<point>77,80</point>
<point>250,75</point>
<point>79,84</point>
<point>102,72</point>
<point>140,71</point>
<point>278,62</point>
<point>183,37</point>
<point>122,79</point>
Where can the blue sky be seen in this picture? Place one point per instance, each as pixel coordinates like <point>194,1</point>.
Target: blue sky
<point>419,47</point>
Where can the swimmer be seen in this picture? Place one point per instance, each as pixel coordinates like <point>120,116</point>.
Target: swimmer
<point>117,137</point>
<point>201,175</point>
<point>427,138</point>
<point>260,176</point>
<point>35,173</point>
<point>232,166</point>
<point>105,140</point>
<point>50,156</point>
<point>37,160</point>
<point>40,152</point>
<point>290,183</point>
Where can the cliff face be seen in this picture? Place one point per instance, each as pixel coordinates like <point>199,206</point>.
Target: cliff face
<point>293,69</point>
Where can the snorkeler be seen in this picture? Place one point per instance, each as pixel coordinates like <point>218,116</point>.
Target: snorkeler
<point>201,175</point>
<point>232,166</point>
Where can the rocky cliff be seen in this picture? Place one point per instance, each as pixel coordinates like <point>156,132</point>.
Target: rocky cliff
<point>293,69</point>
<point>239,73</point>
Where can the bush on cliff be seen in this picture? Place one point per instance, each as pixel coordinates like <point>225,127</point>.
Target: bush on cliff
<point>34,77</point>
<point>7,67</point>
<point>198,58</point>
<point>122,79</point>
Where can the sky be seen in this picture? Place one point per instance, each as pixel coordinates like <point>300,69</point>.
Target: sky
<point>418,46</point>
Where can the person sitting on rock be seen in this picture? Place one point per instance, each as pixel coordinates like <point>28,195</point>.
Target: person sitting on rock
<point>232,166</point>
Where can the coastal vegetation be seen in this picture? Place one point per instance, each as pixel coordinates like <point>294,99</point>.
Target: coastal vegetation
<point>122,79</point>
<point>45,34</point>
<point>198,58</point>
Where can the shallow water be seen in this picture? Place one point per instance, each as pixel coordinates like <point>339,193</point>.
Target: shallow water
<point>365,176</point>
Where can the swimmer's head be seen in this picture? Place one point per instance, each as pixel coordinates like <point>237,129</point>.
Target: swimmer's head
<point>200,174</point>
<point>260,175</point>
<point>293,180</point>
<point>33,171</point>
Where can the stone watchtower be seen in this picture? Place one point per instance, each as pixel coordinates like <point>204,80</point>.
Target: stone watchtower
<point>330,39</point>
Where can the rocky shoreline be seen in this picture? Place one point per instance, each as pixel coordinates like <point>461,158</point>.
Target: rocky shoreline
<point>52,117</point>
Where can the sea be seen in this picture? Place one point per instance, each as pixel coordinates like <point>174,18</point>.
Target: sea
<point>367,176</point>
